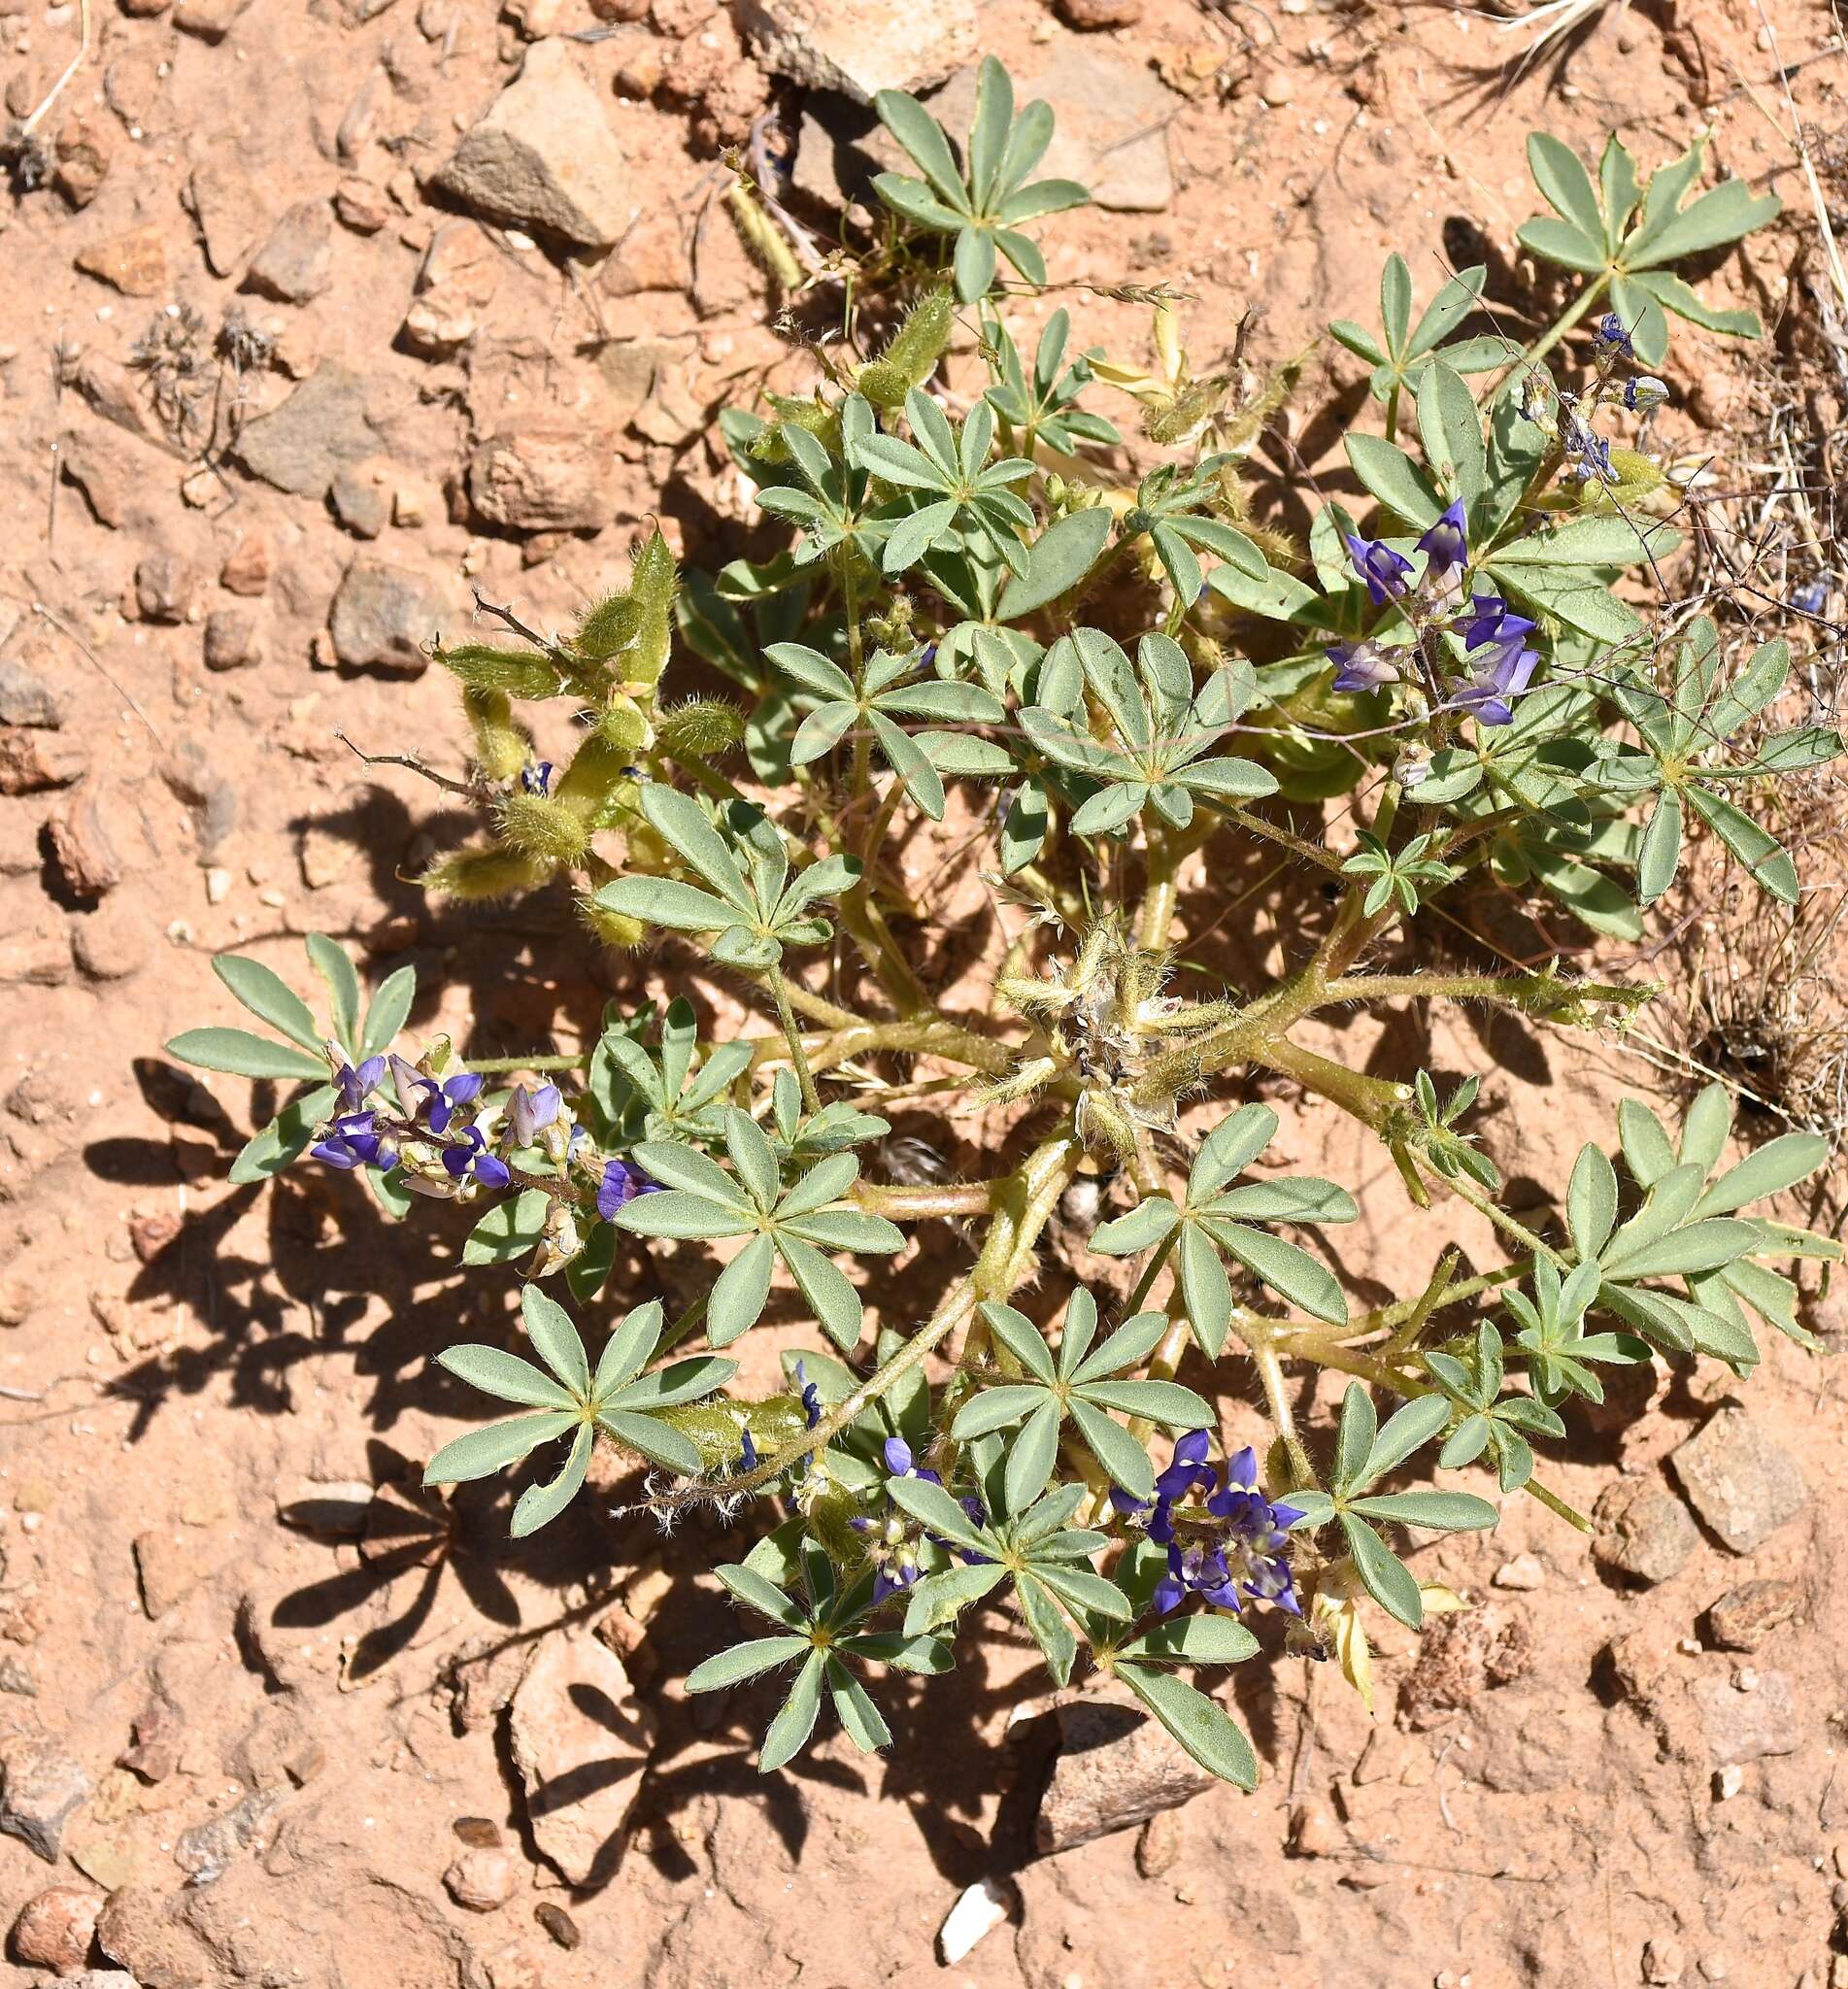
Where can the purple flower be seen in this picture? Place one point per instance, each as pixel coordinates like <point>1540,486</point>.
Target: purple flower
<point>469,1154</point>
<point>355,1086</point>
<point>1360,666</point>
<point>1610,338</point>
<point>811,1395</point>
<point>1811,597</point>
<point>901,1462</point>
<point>528,1111</point>
<point>430,1105</point>
<point>535,777</point>
<point>1231,1545</point>
<point>353,1142</point>
<point>1644,392</point>
<point>1387,573</point>
<point>1446,545</point>
<point>1490,618</point>
<point>1498,680</point>
<point>748,1454</point>
<point>623,1181</point>
<point>1588,456</point>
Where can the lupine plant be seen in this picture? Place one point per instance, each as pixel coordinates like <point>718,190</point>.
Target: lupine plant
<point>978,620</point>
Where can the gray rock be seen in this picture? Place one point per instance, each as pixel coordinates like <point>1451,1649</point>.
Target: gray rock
<point>228,209</point>
<point>331,420</point>
<point>1116,1768</point>
<point>862,47</point>
<point>1748,1726</point>
<point>297,265</point>
<point>193,776</point>
<point>545,156</point>
<point>40,1785</point>
<point>205,1851</point>
<point>1643,1531</point>
<point>381,618</point>
<point>26,698</point>
<point>360,503</point>
<point>163,587</point>
<point>16,1678</point>
<point>1741,1483</point>
<point>1112,133</point>
<point>232,641</point>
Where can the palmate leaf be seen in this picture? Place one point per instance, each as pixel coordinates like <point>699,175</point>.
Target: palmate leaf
<point>1214,1221</point>
<point>983,207</point>
<point>1593,233</point>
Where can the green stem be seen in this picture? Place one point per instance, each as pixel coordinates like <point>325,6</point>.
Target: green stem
<point>1158,902</point>
<point>792,1034</point>
<point>1574,311</point>
<point>915,1205</point>
<point>1150,1272</point>
<point>505,1067</point>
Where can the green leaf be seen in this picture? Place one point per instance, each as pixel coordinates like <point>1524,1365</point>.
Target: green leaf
<point>682,821</point>
<point>1450,430</point>
<point>1022,1338</point>
<point>1444,1512</point>
<point>741,1292</point>
<point>1285,1268</point>
<point>1561,176</point>
<point>759,1593</point>
<point>1396,303</point>
<point>1660,856</point>
<point>940,1598</point>
<point>386,1014</point>
<point>653,1440</point>
<point>1762,854</point>
<point>1385,1577</point>
<point>1205,1729</point>
<point>1056,562</point>
<point>1590,1201</point>
<point>854,1709</point>
<point>271,999</point>
<point>1206,1289</point>
<point>556,1339</point>
<point>827,1289</point>
<point>1031,1456</point>
<point>794,1724</point>
<point>1720,216</point>
<point>744,1661</point>
<point>510,1228</point>
<point>246,1055</point>
<point>666,901</point>
<point>284,1140</point>
<point>1123,1458</point>
<point>493,1447</point>
<point>1354,1437</point>
<point>923,137</point>
<point>343,983</point>
<point>505,1375</point>
<point>1047,1625</point>
<point>1212,1639</point>
<point>541,1503</point>
<point>1406,1430</point>
<point>1395,478</point>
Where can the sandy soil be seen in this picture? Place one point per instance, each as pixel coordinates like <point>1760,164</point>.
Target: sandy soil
<point>283,1737</point>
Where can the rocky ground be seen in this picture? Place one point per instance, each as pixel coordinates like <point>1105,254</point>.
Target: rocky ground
<point>316,314</point>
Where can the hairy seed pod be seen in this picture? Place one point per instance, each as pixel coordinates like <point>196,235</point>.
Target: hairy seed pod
<point>766,242</point>
<point>541,827</point>
<point>615,930</point>
<point>501,747</point>
<point>599,769</point>
<point>637,625</point>
<point>703,727</point>
<point>485,874</point>
<point>519,672</point>
<point>624,724</point>
<point>915,347</point>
